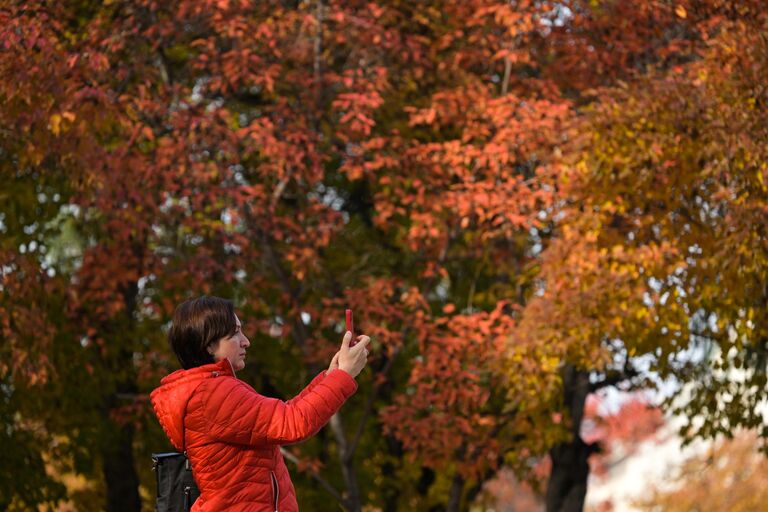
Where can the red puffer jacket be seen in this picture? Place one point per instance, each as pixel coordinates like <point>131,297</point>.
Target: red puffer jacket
<point>233,434</point>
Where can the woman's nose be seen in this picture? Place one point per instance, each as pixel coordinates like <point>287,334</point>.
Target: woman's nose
<point>246,342</point>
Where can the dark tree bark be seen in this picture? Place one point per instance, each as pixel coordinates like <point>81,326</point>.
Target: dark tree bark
<point>567,485</point>
<point>426,479</point>
<point>454,498</point>
<point>391,493</point>
<point>120,476</point>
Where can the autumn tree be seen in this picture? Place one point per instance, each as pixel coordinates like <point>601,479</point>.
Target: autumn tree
<point>660,250</point>
<point>298,158</point>
<point>405,159</point>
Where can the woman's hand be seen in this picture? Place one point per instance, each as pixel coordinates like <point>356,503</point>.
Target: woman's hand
<point>352,359</point>
<point>334,363</point>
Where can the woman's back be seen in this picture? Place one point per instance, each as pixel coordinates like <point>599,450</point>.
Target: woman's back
<point>233,435</point>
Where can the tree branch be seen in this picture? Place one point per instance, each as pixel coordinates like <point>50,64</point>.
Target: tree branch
<point>323,482</point>
<point>298,332</point>
<point>369,405</point>
<point>615,377</point>
<point>347,469</point>
<point>507,73</point>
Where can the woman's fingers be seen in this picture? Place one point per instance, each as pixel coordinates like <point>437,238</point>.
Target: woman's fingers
<point>334,362</point>
<point>353,359</point>
<point>362,342</point>
<point>345,341</point>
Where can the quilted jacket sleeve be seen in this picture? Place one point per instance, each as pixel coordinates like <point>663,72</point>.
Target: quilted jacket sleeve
<point>320,376</point>
<point>233,412</point>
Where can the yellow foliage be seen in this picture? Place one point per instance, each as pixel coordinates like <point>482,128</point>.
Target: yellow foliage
<point>732,477</point>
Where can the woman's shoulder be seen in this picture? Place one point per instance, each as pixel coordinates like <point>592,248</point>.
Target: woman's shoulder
<point>220,388</point>
<point>222,400</point>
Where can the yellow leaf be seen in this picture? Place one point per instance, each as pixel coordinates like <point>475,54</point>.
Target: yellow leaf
<point>681,12</point>
<point>55,124</point>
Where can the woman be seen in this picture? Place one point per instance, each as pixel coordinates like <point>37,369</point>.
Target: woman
<point>232,434</point>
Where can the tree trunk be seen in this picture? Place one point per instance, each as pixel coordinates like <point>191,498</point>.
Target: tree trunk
<point>391,493</point>
<point>454,498</point>
<point>347,466</point>
<point>120,476</point>
<point>567,485</point>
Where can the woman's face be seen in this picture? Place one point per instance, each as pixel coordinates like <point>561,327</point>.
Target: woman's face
<point>232,348</point>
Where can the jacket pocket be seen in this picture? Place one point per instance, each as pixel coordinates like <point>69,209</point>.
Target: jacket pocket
<point>275,491</point>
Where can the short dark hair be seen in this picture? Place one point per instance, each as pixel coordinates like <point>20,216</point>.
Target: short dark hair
<point>196,324</point>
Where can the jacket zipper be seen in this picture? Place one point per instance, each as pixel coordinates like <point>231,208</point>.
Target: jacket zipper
<point>187,489</point>
<point>275,489</point>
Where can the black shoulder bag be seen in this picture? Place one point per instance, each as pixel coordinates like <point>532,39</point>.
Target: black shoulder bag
<point>176,488</point>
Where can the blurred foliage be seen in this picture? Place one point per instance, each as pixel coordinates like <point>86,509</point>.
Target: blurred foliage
<point>412,161</point>
<point>731,476</point>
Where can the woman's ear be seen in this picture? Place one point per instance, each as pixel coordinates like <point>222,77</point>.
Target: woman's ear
<point>211,348</point>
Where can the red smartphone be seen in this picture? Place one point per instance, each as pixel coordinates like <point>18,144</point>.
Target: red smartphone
<point>350,327</point>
